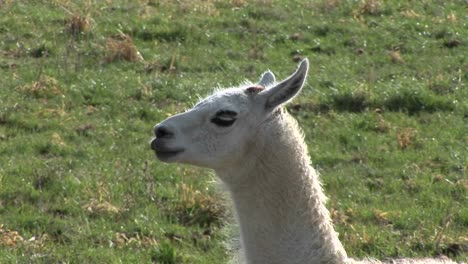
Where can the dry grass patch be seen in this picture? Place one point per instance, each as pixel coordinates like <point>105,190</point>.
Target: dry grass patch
<point>198,208</point>
<point>409,13</point>
<point>9,238</point>
<point>406,137</point>
<point>452,17</point>
<point>77,25</point>
<point>45,86</point>
<point>126,239</point>
<point>238,3</point>
<point>85,129</point>
<point>370,7</point>
<point>5,3</point>
<point>382,125</point>
<point>121,47</point>
<point>367,7</point>
<point>395,56</point>
<point>13,239</point>
<point>95,208</point>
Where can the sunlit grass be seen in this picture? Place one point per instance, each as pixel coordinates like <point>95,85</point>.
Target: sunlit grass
<point>83,82</point>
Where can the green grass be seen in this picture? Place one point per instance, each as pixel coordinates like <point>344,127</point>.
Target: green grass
<point>384,112</point>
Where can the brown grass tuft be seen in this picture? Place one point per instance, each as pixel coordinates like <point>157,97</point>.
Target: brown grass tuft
<point>370,7</point>
<point>296,36</point>
<point>382,126</point>
<point>77,25</point>
<point>13,239</point>
<point>95,207</point>
<point>9,238</point>
<point>405,137</point>
<point>121,47</point>
<point>197,208</point>
<point>4,3</point>
<point>84,129</point>
<point>45,86</point>
<point>342,217</point>
<point>127,239</point>
<point>57,140</point>
<point>161,66</point>
<point>382,217</point>
<point>238,3</point>
<point>409,13</point>
<point>395,56</point>
<point>367,7</point>
<point>452,17</point>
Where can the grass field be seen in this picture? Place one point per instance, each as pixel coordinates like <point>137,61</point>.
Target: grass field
<point>384,111</point>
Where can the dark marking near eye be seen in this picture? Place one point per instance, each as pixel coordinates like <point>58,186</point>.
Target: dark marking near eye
<point>254,89</point>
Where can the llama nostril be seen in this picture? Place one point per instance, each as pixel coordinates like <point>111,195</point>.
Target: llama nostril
<point>163,132</point>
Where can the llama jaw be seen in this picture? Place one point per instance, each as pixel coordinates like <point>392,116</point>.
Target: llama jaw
<point>167,156</point>
<point>163,152</point>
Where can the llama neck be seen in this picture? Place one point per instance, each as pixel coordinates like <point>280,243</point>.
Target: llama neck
<point>279,201</point>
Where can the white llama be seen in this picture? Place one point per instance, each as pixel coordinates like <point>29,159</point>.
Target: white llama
<point>257,150</point>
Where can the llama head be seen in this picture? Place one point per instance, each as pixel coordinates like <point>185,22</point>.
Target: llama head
<point>219,130</point>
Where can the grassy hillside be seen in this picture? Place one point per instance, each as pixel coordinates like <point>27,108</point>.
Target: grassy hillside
<point>82,83</point>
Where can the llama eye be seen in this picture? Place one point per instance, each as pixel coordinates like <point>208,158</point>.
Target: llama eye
<point>224,118</point>
<point>223,121</point>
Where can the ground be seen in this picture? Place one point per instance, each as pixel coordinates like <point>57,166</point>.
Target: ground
<point>82,83</point>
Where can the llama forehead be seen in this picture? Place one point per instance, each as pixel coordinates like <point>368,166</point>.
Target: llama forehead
<point>229,99</point>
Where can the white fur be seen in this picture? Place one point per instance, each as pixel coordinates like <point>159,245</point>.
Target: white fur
<point>263,161</point>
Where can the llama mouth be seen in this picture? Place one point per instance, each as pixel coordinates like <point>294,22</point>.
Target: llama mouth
<point>167,155</point>
<point>164,153</point>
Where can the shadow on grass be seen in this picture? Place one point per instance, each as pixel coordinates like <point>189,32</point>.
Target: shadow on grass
<point>411,102</point>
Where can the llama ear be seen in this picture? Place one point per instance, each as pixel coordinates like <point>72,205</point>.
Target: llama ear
<point>287,89</point>
<point>267,78</point>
